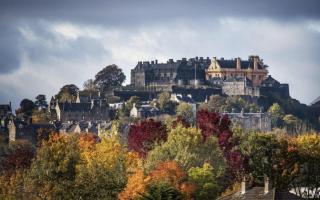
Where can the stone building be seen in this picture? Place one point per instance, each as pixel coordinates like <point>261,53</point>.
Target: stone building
<point>253,68</point>
<point>180,72</point>
<point>87,107</point>
<point>96,110</point>
<point>5,115</point>
<point>251,121</point>
<point>22,130</point>
<point>241,86</point>
<point>143,111</point>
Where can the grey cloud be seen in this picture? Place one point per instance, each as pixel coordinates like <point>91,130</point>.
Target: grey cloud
<point>142,12</point>
<point>49,45</point>
<point>9,49</point>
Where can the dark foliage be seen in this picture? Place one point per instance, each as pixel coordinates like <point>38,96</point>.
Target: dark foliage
<point>144,134</point>
<point>109,76</point>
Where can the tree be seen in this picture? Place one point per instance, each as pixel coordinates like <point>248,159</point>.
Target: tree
<point>68,93</point>
<point>19,157</point>
<point>265,154</point>
<point>40,116</point>
<point>104,167</point>
<point>170,172</point>
<point>277,114</point>
<point>213,124</point>
<point>136,185</point>
<point>306,183</point>
<point>144,134</point>
<point>291,123</point>
<point>53,171</point>
<point>216,103</point>
<point>109,76</point>
<point>163,100</point>
<point>187,148</point>
<point>185,111</point>
<point>206,182</point>
<point>41,101</point>
<point>26,108</point>
<point>165,104</point>
<point>161,190</point>
<point>90,86</point>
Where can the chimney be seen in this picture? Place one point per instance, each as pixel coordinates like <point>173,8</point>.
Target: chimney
<point>255,62</point>
<point>238,63</point>
<point>156,61</point>
<point>244,185</point>
<point>267,185</point>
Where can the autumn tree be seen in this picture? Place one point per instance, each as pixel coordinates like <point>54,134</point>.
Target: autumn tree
<point>170,172</point>
<point>185,111</point>
<point>103,169</point>
<point>109,76</point>
<point>18,157</point>
<point>214,124</point>
<point>53,171</point>
<point>306,184</point>
<point>144,134</point>
<point>265,154</point>
<point>136,185</point>
<point>187,148</point>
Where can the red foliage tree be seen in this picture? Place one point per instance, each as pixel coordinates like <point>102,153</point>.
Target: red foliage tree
<point>20,156</point>
<point>144,134</point>
<point>182,121</point>
<point>212,123</point>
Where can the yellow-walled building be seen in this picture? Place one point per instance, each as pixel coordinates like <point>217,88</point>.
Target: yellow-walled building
<point>253,69</point>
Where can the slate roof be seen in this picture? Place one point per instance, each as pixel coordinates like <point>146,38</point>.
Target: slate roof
<point>5,108</point>
<point>270,80</point>
<point>185,98</point>
<point>257,193</point>
<point>245,64</point>
<point>75,107</point>
<point>317,100</point>
<point>239,79</point>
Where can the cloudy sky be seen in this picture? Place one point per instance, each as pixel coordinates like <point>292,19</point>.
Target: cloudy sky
<point>46,44</point>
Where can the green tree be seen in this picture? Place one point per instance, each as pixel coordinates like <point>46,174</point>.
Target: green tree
<point>293,124</point>
<point>26,108</point>
<point>187,148</point>
<point>276,113</point>
<point>164,100</point>
<point>161,191</point>
<point>206,181</point>
<point>216,103</point>
<point>265,153</point>
<point>185,111</point>
<point>68,93</point>
<point>109,76</point>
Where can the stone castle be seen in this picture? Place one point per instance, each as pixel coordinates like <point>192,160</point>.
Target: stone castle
<point>198,71</point>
